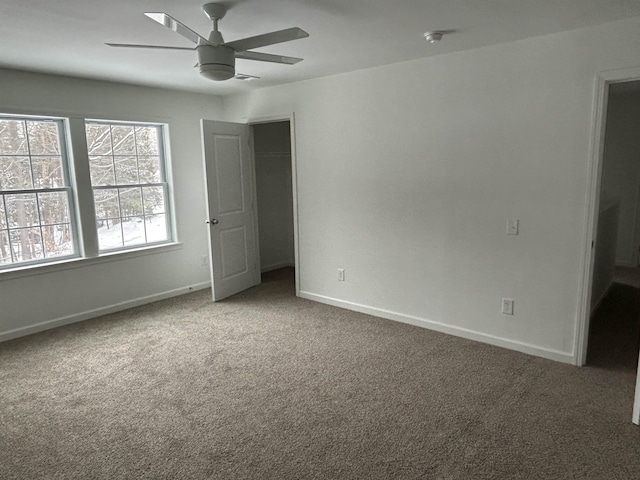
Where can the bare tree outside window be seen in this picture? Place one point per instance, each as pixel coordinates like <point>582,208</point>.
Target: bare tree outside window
<point>35,196</point>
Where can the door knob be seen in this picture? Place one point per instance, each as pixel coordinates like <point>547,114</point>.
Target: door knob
<point>213,221</point>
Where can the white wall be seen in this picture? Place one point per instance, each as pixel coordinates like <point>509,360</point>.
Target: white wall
<point>407,173</point>
<point>92,288</point>
<point>621,167</point>
<point>272,147</point>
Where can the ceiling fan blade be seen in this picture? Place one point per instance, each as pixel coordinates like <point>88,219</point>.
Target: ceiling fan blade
<point>176,26</point>
<point>244,76</point>
<point>267,57</point>
<point>265,39</point>
<point>133,45</point>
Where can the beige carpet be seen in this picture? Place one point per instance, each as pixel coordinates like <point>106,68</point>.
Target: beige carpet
<point>269,386</point>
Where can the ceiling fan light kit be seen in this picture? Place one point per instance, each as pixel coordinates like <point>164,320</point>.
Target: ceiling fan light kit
<point>216,63</point>
<point>433,37</point>
<point>217,59</point>
<point>217,71</point>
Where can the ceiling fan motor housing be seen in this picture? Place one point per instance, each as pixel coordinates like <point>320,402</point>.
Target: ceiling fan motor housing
<point>216,62</point>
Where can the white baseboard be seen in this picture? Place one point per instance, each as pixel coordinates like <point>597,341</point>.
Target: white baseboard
<point>624,263</point>
<point>535,350</point>
<point>79,317</point>
<point>420,322</point>
<point>276,266</point>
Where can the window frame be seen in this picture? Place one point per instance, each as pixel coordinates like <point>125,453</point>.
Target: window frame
<point>82,208</point>
<point>165,183</point>
<point>68,188</point>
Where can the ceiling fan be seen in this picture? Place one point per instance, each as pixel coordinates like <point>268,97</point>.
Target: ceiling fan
<point>216,59</point>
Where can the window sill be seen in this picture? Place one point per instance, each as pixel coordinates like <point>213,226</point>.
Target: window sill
<point>80,262</point>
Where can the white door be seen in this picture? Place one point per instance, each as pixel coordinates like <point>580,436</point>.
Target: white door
<point>230,207</point>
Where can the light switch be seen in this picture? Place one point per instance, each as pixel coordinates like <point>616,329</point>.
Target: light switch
<point>512,226</point>
<point>507,306</point>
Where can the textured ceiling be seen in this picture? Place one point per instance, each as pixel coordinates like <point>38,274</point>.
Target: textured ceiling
<point>67,36</point>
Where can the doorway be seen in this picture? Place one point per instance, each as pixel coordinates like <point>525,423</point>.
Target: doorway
<point>618,231</point>
<point>274,195</point>
<point>609,331</point>
<point>232,211</point>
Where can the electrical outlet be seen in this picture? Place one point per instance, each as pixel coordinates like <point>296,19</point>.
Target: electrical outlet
<point>204,260</point>
<point>341,274</point>
<point>513,225</point>
<point>507,306</point>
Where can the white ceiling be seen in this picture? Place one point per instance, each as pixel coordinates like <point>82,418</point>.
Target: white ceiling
<point>67,36</point>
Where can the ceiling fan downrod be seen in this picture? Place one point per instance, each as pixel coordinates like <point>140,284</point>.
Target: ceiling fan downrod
<point>216,61</point>
<point>215,12</point>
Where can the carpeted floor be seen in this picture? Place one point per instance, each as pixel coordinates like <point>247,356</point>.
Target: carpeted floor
<point>268,386</point>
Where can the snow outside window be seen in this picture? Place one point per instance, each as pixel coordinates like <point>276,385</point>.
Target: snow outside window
<point>36,202</point>
<point>129,184</point>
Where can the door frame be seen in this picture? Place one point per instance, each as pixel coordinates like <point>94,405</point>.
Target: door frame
<point>594,181</point>
<point>290,117</point>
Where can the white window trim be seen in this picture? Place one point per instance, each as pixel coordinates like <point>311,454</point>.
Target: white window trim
<point>87,250</point>
<point>81,178</point>
<point>67,168</point>
<point>81,262</point>
<point>166,184</point>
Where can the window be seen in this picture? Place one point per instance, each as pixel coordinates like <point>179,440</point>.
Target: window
<point>36,217</point>
<point>129,184</point>
<point>47,205</point>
